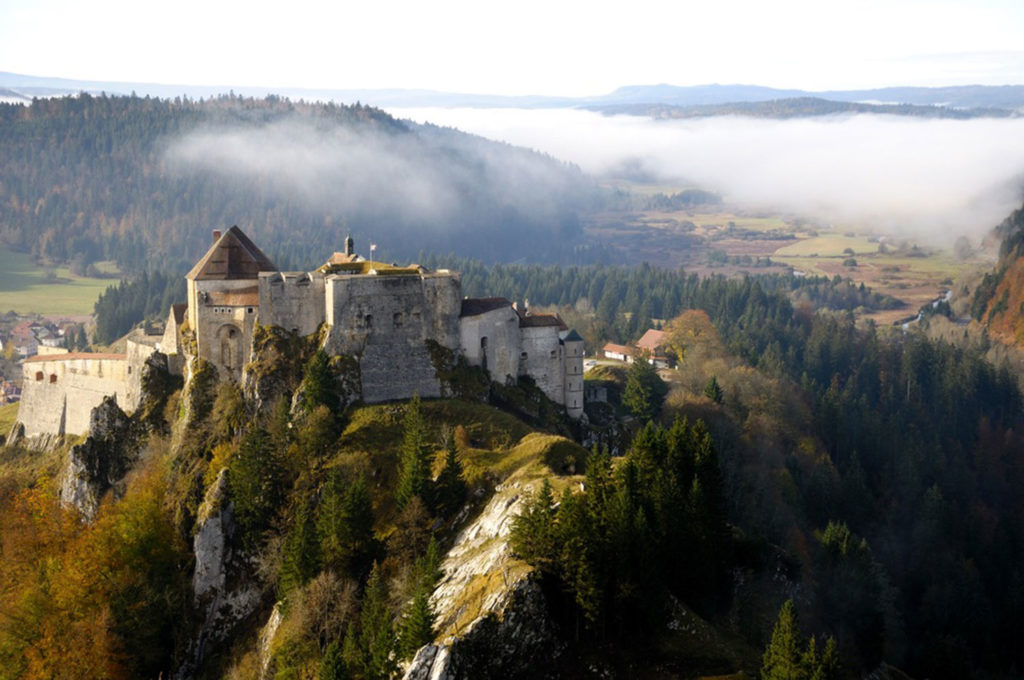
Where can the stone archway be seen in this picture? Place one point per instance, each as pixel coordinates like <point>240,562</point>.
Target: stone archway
<point>229,342</point>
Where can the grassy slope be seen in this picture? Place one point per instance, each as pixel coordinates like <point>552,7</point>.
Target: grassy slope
<point>8,414</point>
<point>24,289</point>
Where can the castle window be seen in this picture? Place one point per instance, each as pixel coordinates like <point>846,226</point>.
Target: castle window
<point>398,319</point>
<point>553,354</point>
<point>129,370</point>
<point>522,357</point>
<point>249,310</point>
<point>53,377</point>
<point>368,320</point>
<point>39,375</point>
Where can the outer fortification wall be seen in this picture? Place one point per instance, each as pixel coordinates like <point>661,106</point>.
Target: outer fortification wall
<point>386,321</point>
<point>60,391</point>
<point>292,300</point>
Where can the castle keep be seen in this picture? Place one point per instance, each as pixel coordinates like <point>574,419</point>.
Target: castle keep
<point>383,315</point>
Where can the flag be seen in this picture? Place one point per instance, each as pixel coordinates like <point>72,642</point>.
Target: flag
<point>373,247</point>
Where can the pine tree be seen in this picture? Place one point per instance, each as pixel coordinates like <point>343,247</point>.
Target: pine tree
<point>332,665</point>
<point>319,386</point>
<point>256,479</point>
<point>345,526</point>
<point>533,531</point>
<point>645,390</point>
<point>451,489</point>
<point>414,468</point>
<point>713,391</point>
<point>783,659</point>
<point>417,626</point>
<point>369,651</point>
<point>300,560</point>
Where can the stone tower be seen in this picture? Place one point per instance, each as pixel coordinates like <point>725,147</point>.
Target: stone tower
<point>223,299</point>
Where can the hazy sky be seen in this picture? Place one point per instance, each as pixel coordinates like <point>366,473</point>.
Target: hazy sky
<point>524,47</point>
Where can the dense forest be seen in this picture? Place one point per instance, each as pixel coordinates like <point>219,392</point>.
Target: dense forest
<point>143,181</point>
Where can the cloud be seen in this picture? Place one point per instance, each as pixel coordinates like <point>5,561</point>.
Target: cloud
<point>924,178</point>
<point>334,168</point>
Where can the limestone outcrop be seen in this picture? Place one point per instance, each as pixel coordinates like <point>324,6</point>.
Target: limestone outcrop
<point>490,611</point>
<point>222,597</point>
<point>100,463</point>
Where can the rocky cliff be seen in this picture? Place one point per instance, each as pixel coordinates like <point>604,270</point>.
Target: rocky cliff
<point>491,614</point>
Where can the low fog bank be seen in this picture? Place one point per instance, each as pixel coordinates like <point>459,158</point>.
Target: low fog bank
<point>395,185</point>
<point>929,179</point>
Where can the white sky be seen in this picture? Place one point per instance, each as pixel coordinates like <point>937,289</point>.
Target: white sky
<point>569,47</point>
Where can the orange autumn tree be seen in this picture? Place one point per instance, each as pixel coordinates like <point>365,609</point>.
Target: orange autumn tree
<point>97,601</point>
<point>691,333</point>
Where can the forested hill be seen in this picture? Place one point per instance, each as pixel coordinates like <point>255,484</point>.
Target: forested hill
<point>143,181</point>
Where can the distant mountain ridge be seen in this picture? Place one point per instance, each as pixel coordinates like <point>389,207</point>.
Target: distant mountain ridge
<point>1008,97</point>
<point>798,107</point>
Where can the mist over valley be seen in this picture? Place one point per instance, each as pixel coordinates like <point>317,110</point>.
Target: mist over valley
<point>927,179</point>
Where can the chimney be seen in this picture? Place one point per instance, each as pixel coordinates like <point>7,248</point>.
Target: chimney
<point>216,235</point>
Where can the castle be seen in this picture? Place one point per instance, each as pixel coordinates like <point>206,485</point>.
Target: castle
<point>383,315</point>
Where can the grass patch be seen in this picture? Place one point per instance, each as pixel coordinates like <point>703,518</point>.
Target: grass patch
<point>609,372</point>
<point>8,414</point>
<point>560,455</point>
<point>21,467</point>
<point>752,223</point>
<point>828,245</point>
<point>25,288</point>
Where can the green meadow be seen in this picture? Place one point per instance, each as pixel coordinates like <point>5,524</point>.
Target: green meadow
<point>25,288</point>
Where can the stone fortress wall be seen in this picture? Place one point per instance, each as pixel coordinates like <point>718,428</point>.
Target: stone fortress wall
<point>491,339</point>
<point>292,300</point>
<point>61,390</point>
<point>386,321</point>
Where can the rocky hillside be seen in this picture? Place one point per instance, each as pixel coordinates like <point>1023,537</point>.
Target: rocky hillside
<point>998,301</point>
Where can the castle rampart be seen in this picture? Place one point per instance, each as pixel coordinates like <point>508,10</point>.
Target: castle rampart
<point>292,300</point>
<point>60,391</point>
<point>386,320</point>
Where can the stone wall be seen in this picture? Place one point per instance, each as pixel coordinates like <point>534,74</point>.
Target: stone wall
<point>385,321</point>
<point>60,392</point>
<point>492,339</point>
<point>541,359</point>
<point>222,315</point>
<point>139,347</point>
<point>292,300</point>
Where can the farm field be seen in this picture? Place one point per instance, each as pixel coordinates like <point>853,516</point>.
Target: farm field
<point>732,242</point>
<point>25,289</point>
